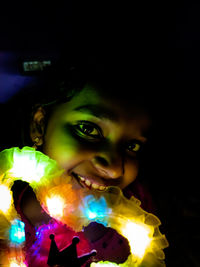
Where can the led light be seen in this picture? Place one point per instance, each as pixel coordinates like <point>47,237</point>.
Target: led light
<point>91,215</point>
<point>55,206</point>
<point>6,198</point>
<point>17,232</point>
<point>14,263</point>
<point>138,236</point>
<point>26,167</point>
<point>106,264</point>
<point>95,208</point>
<point>30,165</point>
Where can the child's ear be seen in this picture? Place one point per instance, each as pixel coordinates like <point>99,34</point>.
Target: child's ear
<point>37,127</point>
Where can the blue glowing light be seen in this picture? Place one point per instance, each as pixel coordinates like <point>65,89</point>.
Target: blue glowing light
<point>40,231</point>
<point>96,209</point>
<point>17,232</point>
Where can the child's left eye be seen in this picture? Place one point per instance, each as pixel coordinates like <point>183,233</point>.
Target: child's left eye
<point>134,146</point>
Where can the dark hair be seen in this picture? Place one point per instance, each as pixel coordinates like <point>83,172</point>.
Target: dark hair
<point>47,89</point>
<point>60,82</point>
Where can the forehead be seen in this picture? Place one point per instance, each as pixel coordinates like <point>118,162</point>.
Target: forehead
<point>107,107</point>
<point>109,104</point>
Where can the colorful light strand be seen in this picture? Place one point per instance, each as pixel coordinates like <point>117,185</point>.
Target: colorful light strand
<point>60,201</point>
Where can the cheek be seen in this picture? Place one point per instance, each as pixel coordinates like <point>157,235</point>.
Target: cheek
<point>130,172</point>
<point>67,150</point>
<point>60,146</point>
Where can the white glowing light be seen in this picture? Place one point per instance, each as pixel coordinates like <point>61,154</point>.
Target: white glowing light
<point>55,206</point>
<point>92,215</point>
<point>27,168</point>
<point>14,263</point>
<point>6,198</point>
<point>138,236</point>
<point>106,264</point>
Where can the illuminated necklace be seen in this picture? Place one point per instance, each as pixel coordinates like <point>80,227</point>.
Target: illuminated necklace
<point>75,209</point>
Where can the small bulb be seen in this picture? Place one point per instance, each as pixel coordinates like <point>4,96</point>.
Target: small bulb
<point>6,198</point>
<point>138,236</point>
<point>14,263</point>
<point>17,232</point>
<point>55,206</point>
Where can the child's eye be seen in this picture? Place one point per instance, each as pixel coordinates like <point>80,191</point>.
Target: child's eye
<point>134,146</point>
<point>88,129</point>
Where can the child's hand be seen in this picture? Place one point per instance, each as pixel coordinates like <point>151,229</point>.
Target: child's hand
<point>94,231</point>
<point>109,244</point>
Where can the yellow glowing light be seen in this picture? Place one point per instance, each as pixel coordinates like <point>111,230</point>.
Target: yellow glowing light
<point>55,206</point>
<point>138,236</point>
<point>6,198</point>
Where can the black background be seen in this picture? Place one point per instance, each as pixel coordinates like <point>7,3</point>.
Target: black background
<point>160,37</point>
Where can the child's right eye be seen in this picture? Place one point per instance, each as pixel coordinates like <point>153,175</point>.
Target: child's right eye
<point>88,130</point>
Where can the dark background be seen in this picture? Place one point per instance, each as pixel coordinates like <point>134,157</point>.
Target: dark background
<point>158,38</point>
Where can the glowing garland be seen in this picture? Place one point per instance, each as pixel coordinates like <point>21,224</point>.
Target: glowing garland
<point>75,208</point>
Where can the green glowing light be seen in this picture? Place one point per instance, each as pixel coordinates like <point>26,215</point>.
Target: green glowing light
<point>30,165</point>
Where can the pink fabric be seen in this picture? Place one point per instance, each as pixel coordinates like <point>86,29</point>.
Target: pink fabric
<point>38,254</point>
<point>110,246</point>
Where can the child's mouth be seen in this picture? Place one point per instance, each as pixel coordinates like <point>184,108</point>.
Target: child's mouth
<point>85,182</point>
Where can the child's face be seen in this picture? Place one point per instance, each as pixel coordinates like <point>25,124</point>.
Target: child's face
<point>95,140</point>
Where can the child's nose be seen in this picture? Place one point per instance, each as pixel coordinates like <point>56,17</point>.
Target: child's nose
<point>108,165</point>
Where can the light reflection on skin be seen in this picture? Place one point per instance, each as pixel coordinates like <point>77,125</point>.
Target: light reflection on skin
<point>95,144</point>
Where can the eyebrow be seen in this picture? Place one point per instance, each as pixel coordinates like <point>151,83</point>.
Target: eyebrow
<point>98,111</point>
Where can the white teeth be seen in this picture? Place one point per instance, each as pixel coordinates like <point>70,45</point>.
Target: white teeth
<point>81,178</point>
<point>88,183</point>
<point>102,187</point>
<point>95,186</point>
